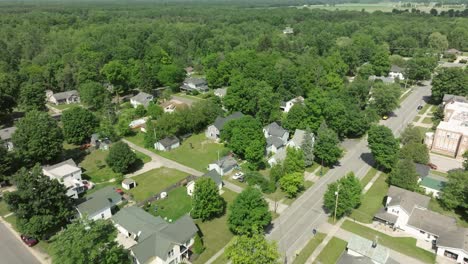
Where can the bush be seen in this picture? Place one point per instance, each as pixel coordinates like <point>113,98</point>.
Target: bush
<point>198,246</point>
<point>463,61</point>
<point>254,178</point>
<point>120,157</point>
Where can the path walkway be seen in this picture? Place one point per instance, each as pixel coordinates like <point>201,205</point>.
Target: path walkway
<point>371,182</point>
<point>330,230</point>
<point>420,121</point>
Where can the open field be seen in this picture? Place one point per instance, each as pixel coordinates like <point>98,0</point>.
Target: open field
<point>154,181</point>
<point>332,251</point>
<point>177,204</point>
<point>368,177</point>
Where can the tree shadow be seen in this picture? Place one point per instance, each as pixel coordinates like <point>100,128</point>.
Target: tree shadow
<point>138,164</point>
<point>76,154</point>
<point>368,158</point>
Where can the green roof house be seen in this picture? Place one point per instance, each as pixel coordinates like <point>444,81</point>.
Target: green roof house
<point>99,204</point>
<point>156,240</point>
<point>433,185</point>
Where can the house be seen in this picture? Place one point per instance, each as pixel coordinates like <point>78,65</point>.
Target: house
<point>167,143</point>
<point>451,135</point>
<point>221,92</point>
<point>362,250</point>
<point>275,130</point>
<point>67,97</point>
<point>68,174</point>
<point>396,72</point>
<point>286,106</point>
<point>138,123</point>
<point>433,185</point>
<point>194,84</point>
<point>274,144</point>
<point>128,183</point>
<point>97,143</point>
<point>223,166</point>
<point>298,139</point>
<point>454,245</point>
<point>173,105</point>
<point>450,98</point>
<point>213,131</point>
<point>453,52</point>
<point>278,157</point>
<point>212,174</point>
<point>99,204</point>
<point>386,80</point>
<point>141,98</point>
<point>288,30</point>
<point>6,135</point>
<point>155,240</point>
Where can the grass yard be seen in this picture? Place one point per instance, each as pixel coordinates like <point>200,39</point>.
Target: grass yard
<point>439,173</point>
<point>312,168</point>
<point>309,248</point>
<point>332,251</point>
<point>196,152</point>
<point>416,118</point>
<point>424,109</point>
<point>95,167</point>
<point>404,245</point>
<point>216,232</point>
<point>435,206</point>
<point>177,204</point>
<point>137,139</point>
<point>372,201</point>
<point>64,106</point>
<point>369,175</point>
<point>144,158</point>
<point>3,208</point>
<point>427,120</point>
<point>154,181</point>
<point>12,220</point>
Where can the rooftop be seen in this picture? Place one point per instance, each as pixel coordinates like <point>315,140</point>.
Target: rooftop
<point>422,170</point>
<point>383,79</point>
<point>142,98</point>
<point>298,137</point>
<point>396,68</point>
<point>99,200</point>
<point>363,246</point>
<point>169,141</point>
<point>456,117</point>
<point>431,222</point>
<point>61,169</point>
<point>214,175</point>
<point>457,238</point>
<point>221,121</point>
<point>7,133</point>
<point>226,162</point>
<point>433,182</point>
<point>406,199</point>
<point>65,95</point>
<point>276,130</point>
<point>455,98</point>
<point>274,141</point>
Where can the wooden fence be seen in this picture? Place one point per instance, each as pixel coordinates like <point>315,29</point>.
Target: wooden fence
<point>157,196</point>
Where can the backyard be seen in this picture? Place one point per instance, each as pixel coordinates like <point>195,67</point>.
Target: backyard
<point>434,205</point>
<point>332,251</point>
<point>404,245</point>
<point>372,201</point>
<point>309,248</point>
<point>177,204</point>
<point>154,181</point>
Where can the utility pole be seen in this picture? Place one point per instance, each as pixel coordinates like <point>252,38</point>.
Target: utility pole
<point>337,194</point>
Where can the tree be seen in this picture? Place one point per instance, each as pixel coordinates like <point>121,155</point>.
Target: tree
<point>6,162</point>
<point>384,147</point>
<point>296,118</point>
<point>465,160</point>
<point>385,98</point>
<point>41,205</point>
<point>37,138</point>
<point>404,175</point>
<point>276,172</point>
<point>307,147</point>
<point>206,202</point>
<point>78,124</point>
<point>456,191</point>
<point>87,241</point>
<point>292,183</point>
<point>411,134</point>
<point>140,111</point>
<point>420,68</point>
<point>117,75</point>
<point>93,94</point>
<point>252,249</point>
<point>294,161</point>
<point>326,147</point>
<point>154,110</point>
<point>249,213</point>
<point>438,42</point>
<point>171,75</point>
<point>32,97</point>
<point>417,152</point>
<point>349,191</point>
<point>380,61</point>
<point>449,81</point>
<point>120,157</point>
<point>198,246</point>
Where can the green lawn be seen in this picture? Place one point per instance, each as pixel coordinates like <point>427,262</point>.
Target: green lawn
<point>137,139</point>
<point>439,173</point>
<point>312,168</point>
<point>144,158</point>
<point>95,167</point>
<point>332,251</point>
<point>404,245</point>
<point>309,248</point>
<point>427,120</point>
<point>12,220</point>
<point>177,204</point>
<point>154,181</point>
<point>64,106</point>
<point>3,208</point>
<point>372,201</point>
<point>434,205</point>
<point>369,175</point>
<point>196,152</point>
<point>215,233</point>
<point>424,109</point>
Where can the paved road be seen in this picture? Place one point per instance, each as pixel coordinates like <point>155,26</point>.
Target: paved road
<point>445,163</point>
<point>294,227</point>
<point>12,251</point>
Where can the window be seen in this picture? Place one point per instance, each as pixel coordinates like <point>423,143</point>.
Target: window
<point>422,232</point>
<point>102,216</point>
<point>170,253</point>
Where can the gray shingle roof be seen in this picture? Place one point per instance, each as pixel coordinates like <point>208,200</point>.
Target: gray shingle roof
<point>99,200</point>
<point>196,81</point>
<point>214,175</point>
<point>455,98</point>
<point>169,141</point>
<point>65,95</point>
<point>276,130</point>
<point>363,246</point>
<point>457,238</point>
<point>221,121</point>
<point>157,236</point>
<point>7,133</point>
<point>396,68</point>
<point>226,162</point>
<point>407,199</point>
<point>431,222</point>
<point>142,98</point>
<point>221,91</point>
<point>274,141</point>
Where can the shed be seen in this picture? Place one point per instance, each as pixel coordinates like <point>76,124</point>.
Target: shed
<point>167,143</point>
<point>128,183</point>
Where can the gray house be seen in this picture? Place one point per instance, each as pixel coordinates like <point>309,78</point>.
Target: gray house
<point>141,99</point>
<point>167,143</point>
<point>6,135</point>
<point>212,174</point>
<point>275,130</point>
<point>67,97</point>
<point>194,84</point>
<point>215,129</point>
<point>99,204</point>
<point>155,240</point>
<point>224,165</point>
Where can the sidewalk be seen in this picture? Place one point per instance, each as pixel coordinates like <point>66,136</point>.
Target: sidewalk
<point>330,230</point>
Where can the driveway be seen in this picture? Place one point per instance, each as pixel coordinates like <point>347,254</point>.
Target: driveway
<point>12,249</point>
<point>445,163</point>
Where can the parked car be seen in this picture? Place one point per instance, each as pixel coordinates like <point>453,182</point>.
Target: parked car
<point>30,241</point>
<point>89,185</point>
<point>432,166</point>
<point>238,175</point>
<point>420,107</point>
<point>241,179</point>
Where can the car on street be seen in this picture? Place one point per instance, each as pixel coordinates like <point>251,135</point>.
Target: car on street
<point>238,175</point>
<point>420,107</point>
<point>384,117</point>
<point>432,166</point>
<point>30,241</point>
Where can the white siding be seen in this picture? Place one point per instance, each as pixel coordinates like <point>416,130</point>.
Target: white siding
<point>99,215</point>
<point>461,253</point>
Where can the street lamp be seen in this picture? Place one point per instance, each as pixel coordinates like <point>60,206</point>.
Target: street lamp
<point>337,194</point>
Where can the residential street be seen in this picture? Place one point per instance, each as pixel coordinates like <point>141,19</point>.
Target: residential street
<point>294,227</point>
<point>12,249</point>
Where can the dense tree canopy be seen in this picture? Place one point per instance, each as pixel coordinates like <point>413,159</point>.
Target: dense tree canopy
<point>120,157</point>
<point>252,249</point>
<point>456,191</point>
<point>404,175</point>
<point>78,125</point>
<point>385,98</point>
<point>206,202</point>
<point>449,81</point>
<point>349,190</point>
<point>326,146</point>
<point>384,146</point>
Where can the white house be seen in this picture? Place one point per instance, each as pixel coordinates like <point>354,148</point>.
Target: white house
<point>223,166</point>
<point>155,241</point>
<point>385,80</point>
<point>141,98</point>
<point>213,131</point>
<point>298,139</point>
<point>221,92</point>
<point>212,174</point>
<point>194,84</point>
<point>99,204</point>
<point>167,143</point>
<point>286,106</point>
<point>396,72</point>
<point>68,174</point>
<point>172,105</point>
<point>5,135</point>
<point>138,123</point>
<point>275,130</point>
<point>362,250</point>
<point>454,245</point>
<point>288,30</point>
<point>67,97</point>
